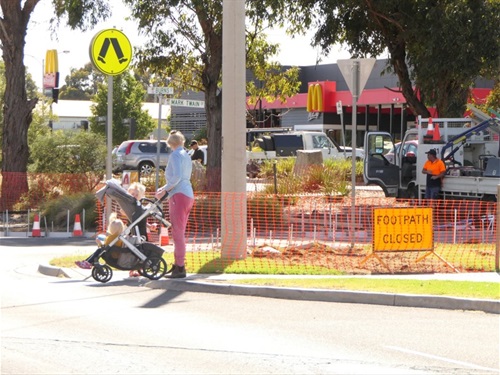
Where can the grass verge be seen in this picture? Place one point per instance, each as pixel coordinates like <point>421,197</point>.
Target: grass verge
<point>210,262</point>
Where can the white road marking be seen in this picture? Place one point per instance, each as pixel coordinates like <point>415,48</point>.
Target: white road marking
<point>467,364</point>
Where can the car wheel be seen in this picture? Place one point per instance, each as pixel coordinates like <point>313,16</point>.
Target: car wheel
<point>146,168</point>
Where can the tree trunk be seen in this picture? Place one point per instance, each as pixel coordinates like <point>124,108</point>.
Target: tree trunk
<point>17,110</point>
<point>398,62</point>
<point>211,77</point>
<point>214,135</point>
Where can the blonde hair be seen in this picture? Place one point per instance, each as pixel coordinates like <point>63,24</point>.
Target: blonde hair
<point>115,225</point>
<point>139,188</point>
<point>175,139</point>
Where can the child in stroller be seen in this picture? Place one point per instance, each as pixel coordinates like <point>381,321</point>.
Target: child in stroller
<point>115,228</point>
<point>136,254</point>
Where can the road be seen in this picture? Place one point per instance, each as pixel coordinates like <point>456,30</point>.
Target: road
<point>60,326</point>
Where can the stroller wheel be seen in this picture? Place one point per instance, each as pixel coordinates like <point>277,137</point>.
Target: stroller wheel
<point>102,273</point>
<point>154,267</point>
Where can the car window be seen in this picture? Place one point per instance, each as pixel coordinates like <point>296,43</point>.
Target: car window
<point>320,141</point>
<point>147,147</point>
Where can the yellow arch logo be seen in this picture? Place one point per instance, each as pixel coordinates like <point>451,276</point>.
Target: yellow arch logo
<point>110,52</point>
<point>315,98</point>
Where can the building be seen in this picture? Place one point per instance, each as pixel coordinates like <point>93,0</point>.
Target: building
<point>73,114</point>
<point>381,105</point>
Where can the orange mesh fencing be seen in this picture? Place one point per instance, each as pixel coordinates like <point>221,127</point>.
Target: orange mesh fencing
<point>310,234</point>
<point>319,235</point>
<point>23,191</point>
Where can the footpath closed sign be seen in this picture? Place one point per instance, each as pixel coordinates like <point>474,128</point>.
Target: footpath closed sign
<point>402,229</point>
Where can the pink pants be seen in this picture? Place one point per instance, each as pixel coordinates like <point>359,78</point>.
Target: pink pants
<point>179,206</point>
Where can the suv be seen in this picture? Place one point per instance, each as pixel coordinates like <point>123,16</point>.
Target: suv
<point>140,155</point>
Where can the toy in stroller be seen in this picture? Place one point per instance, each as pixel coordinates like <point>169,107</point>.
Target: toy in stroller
<point>136,253</point>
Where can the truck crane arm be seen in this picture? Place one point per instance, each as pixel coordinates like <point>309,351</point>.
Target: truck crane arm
<point>459,140</point>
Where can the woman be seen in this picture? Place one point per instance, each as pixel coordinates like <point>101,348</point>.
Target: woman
<point>181,198</point>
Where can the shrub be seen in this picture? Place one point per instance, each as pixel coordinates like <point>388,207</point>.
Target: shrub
<point>284,168</point>
<point>56,210</point>
<point>45,187</point>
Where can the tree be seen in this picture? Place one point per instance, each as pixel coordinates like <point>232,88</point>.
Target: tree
<point>81,84</point>
<point>127,104</point>
<point>185,43</point>
<point>271,81</point>
<point>437,49</point>
<point>17,108</point>
<point>75,152</point>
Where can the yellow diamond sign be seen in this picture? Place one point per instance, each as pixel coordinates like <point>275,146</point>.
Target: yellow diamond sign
<point>110,51</point>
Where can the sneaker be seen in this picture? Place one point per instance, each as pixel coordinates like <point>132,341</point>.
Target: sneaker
<point>178,272</point>
<point>83,264</point>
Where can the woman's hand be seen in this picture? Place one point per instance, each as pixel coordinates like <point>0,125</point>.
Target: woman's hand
<point>160,193</point>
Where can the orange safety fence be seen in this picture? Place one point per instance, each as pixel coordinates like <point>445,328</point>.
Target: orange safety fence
<point>321,235</point>
<point>314,233</point>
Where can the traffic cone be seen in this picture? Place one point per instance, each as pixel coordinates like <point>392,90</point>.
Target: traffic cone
<point>36,227</point>
<point>164,239</point>
<point>436,137</point>
<point>429,135</point>
<point>430,128</point>
<point>77,230</point>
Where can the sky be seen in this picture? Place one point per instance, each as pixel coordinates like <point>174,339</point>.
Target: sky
<point>75,44</point>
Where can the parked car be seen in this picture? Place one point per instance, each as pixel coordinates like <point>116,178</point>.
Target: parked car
<point>140,155</point>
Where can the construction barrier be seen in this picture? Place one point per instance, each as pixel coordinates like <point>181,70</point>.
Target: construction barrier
<point>321,234</point>
<point>325,234</point>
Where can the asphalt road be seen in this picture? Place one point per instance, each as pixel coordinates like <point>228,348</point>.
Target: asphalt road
<point>75,326</point>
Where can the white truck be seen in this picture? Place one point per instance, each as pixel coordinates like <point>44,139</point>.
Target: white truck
<point>470,152</point>
<point>286,144</point>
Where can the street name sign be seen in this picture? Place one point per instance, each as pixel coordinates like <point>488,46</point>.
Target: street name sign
<point>186,103</point>
<point>161,90</point>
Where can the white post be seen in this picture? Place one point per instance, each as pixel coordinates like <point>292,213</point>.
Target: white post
<point>233,197</point>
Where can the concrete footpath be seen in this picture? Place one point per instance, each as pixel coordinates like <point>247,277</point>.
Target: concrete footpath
<point>226,284</point>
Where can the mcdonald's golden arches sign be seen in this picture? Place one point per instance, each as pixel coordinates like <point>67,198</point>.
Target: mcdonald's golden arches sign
<point>51,70</point>
<point>321,96</point>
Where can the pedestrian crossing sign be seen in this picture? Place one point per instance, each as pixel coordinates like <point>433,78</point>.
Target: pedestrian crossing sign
<point>110,51</point>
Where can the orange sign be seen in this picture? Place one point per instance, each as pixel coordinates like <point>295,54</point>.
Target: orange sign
<point>402,229</point>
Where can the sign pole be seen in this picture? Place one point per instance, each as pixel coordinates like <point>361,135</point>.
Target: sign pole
<point>355,94</point>
<point>356,73</point>
<point>109,138</point>
<point>160,99</point>
<point>110,53</point>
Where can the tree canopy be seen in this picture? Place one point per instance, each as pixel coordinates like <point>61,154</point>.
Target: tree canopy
<point>128,95</point>
<point>436,48</point>
<point>81,84</point>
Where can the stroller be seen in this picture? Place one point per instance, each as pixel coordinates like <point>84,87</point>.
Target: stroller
<point>137,253</point>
